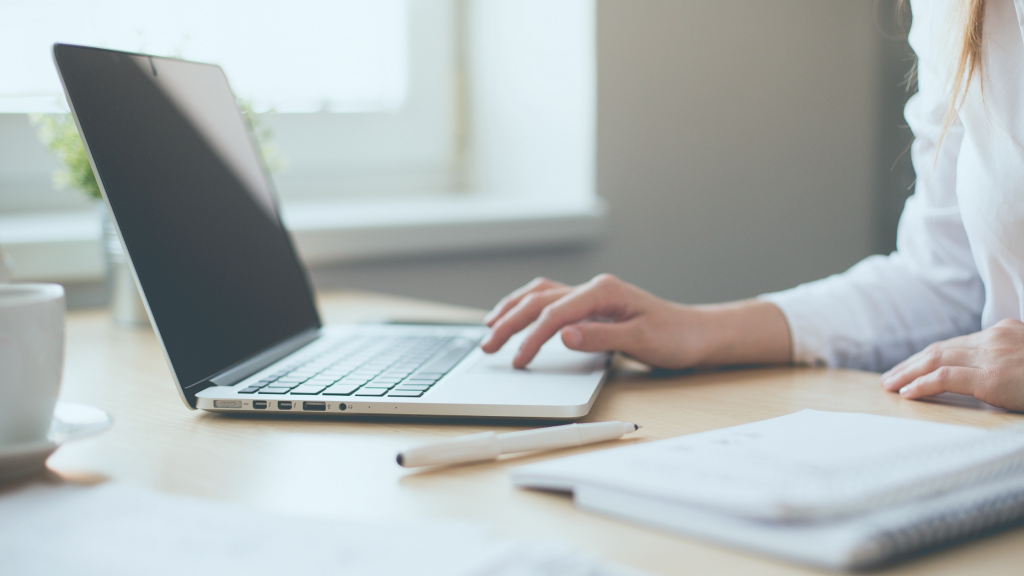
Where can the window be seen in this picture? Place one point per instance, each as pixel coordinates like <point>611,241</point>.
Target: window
<point>303,56</point>
<point>441,124</point>
<point>361,89</point>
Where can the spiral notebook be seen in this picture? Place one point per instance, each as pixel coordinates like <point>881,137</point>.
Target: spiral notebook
<point>837,490</point>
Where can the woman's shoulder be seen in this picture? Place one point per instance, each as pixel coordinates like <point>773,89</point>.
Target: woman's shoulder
<point>931,29</point>
<point>930,10</point>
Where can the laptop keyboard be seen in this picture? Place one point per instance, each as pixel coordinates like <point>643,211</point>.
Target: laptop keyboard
<point>403,366</point>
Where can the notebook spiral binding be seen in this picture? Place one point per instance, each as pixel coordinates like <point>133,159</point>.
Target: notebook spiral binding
<point>996,506</point>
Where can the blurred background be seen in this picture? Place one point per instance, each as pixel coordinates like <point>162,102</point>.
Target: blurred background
<point>455,149</point>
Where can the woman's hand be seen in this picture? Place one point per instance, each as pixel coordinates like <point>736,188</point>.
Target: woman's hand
<point>988,365</point>
<point>607,314</point>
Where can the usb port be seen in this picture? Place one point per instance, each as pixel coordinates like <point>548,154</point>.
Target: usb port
<point>316,406</point>
<point>284,404</point>
<point>259,404</point>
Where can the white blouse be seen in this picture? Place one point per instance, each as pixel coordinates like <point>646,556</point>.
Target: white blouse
<point>959,260</point>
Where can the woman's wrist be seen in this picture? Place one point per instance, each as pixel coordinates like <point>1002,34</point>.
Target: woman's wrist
<point>743,332</point>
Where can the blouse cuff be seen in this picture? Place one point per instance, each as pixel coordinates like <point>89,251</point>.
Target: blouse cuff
<point>807,337</point>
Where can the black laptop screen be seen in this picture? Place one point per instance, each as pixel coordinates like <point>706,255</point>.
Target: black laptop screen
<point>194,206</point>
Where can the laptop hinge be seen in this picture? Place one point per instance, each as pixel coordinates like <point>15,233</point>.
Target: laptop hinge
<point>248,367</point>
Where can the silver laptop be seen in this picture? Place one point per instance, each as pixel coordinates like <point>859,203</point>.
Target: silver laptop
<point>227,295</point>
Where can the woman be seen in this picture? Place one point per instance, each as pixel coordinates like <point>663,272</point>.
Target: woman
<point>945,308</point>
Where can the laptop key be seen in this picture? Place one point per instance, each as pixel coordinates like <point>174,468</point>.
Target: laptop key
<point>428,375</point>
<point>413,387</point>
<point>372,392</point>
<point>448,360</point>
<point>340,390</point>
<point>249,390</point>
<point>424,381</point>
<point>308,390</point>
<point>407,393</point>
<point>274,390</point>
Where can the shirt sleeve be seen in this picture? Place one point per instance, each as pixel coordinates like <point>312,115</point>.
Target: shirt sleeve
<point>886,308</point>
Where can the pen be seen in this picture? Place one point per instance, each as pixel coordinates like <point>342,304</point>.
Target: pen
<point>488,445</point>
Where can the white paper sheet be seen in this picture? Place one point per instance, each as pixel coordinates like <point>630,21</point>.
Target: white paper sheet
<point>752,470</point>
<point>113,530</point>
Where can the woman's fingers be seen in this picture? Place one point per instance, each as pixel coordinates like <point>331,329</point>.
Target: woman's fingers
<point>510,301</point>
<point>526,310</point>
<point>926,362</point>
<point>601,336</point>
<point>988,365</point>
<point>956,379</point>
<point>968,341</point>
<point>595,298</point>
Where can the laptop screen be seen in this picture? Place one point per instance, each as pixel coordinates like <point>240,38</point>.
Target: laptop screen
<point>194,205</point>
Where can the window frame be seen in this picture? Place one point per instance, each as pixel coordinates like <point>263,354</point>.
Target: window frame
<point>513,176</point>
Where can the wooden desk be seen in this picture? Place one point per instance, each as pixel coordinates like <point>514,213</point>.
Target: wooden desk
<point>347,469</point>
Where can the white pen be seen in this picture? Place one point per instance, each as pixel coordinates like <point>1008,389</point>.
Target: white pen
<point>488,445</point>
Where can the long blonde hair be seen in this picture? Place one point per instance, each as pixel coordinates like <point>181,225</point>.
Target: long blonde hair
<point>968,22</point>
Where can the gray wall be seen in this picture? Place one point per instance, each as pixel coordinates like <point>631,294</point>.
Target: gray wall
<point>743,147</point>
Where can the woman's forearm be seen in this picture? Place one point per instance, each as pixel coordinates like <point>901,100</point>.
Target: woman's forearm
<point>744,332</point>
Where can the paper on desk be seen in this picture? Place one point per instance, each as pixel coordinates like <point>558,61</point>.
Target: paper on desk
<point>748,470</point>
<point>114,530</point>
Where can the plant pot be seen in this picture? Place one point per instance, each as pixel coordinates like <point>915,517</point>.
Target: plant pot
<point>126,307</point>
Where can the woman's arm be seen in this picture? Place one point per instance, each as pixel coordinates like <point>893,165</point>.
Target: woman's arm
<point>607,314</point>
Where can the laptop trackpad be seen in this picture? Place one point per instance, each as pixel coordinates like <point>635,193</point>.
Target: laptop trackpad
<point>553,358</point>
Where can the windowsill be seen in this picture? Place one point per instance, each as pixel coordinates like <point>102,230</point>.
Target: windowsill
<point>65,247</point>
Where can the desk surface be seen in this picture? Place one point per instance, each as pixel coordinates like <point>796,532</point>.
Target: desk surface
<point>347,468</point>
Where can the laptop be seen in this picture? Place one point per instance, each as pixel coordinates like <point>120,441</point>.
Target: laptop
<point>230,301</point>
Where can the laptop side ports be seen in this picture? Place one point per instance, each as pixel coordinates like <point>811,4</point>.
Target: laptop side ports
<point>259,404</point>
<point>315,406</point>
<point>284,404</point>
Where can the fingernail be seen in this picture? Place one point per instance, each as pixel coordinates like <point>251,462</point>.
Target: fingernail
<point>572,336</point>
<point>487,339</point>
<point>906,389</point>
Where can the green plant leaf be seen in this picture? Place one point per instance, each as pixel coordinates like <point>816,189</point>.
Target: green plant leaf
<point>59,134</point>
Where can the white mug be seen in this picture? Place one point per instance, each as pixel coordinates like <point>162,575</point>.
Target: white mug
<point>31,359</point>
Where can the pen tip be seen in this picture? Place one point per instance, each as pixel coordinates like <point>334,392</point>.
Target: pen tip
<point>636,427</point>
<point>400,460</point>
